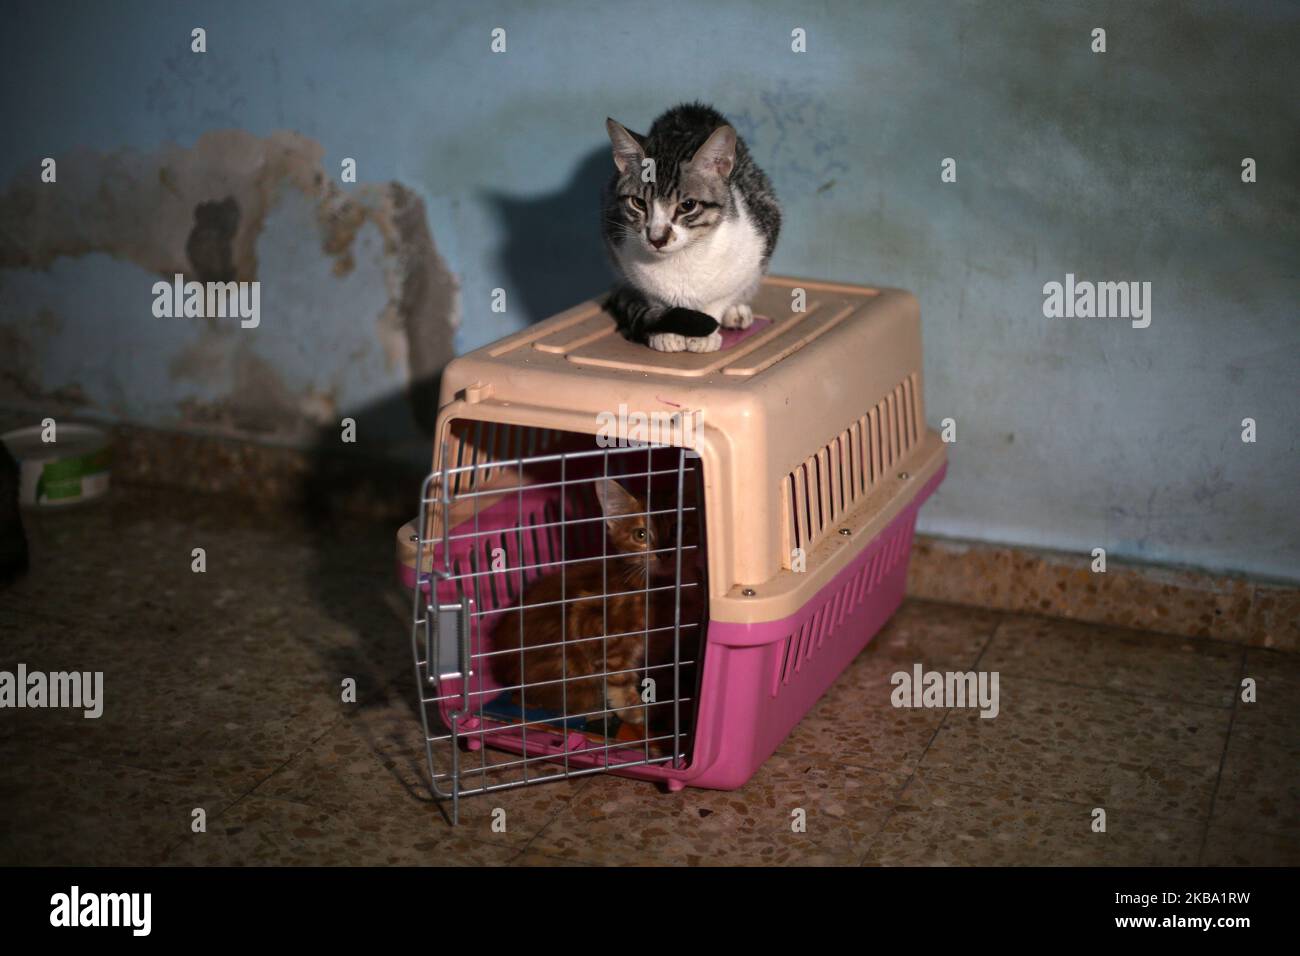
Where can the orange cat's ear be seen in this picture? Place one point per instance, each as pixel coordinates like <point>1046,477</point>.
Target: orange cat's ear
<point>615,501</point>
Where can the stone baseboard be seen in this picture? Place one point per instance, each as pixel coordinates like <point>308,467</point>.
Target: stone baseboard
<point>1172,600</point>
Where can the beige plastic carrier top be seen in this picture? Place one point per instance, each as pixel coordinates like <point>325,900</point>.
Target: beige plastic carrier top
<point>810,425</point>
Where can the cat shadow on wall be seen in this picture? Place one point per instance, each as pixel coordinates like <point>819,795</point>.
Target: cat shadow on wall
<point>552,253</point>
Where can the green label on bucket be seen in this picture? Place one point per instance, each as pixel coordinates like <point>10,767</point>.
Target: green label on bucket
<point>62,479</point>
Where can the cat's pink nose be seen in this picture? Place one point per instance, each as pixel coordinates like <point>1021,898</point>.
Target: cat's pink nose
<point>660,242</point>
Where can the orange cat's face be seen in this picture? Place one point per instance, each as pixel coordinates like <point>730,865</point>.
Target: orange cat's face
<point>632,532</point>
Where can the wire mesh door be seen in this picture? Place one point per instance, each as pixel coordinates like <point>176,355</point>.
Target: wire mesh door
<point>557,627</point>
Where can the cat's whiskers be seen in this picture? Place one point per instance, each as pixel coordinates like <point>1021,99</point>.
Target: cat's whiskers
<point>635,569</point>
<point>622,230</point>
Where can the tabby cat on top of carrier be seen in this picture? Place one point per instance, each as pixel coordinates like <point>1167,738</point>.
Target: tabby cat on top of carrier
<point>690,221</point>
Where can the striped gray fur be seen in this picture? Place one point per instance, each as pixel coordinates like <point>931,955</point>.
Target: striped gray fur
<point>719,195</point>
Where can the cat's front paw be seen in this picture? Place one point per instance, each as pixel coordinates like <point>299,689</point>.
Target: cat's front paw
<point>667,342</point>
<point>672,342</point>
<point>624,701</point>
<point>738,317</point>
<point>704,343</point>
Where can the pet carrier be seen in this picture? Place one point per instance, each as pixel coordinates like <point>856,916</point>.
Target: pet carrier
<point>653,564</point>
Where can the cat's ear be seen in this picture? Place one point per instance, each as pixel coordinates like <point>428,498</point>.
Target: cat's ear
<point>615,501</point>
<point>718,152</point>
<point>627,146</point>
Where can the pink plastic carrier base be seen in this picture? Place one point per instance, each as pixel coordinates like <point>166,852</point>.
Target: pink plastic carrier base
<point>758,680</point>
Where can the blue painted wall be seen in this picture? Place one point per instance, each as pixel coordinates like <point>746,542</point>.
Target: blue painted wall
<point>1125,165</point>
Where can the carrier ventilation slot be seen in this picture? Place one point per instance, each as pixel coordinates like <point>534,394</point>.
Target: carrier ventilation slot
<point>831,481</point>
<point>823,622</point>
<point>485,454</point>
<point>480,446</point>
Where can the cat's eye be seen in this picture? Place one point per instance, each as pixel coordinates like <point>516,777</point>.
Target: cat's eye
<point>687,205</point>
<point>636,202</point>
<point>639,534</point>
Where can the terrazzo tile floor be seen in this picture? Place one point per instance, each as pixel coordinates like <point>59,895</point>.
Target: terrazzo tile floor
<point>223,694</point>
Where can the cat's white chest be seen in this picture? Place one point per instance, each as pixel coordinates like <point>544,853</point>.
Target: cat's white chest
<point>720,270</point>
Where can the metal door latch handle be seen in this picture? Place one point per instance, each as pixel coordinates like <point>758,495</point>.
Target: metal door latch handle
<point>446,635</point>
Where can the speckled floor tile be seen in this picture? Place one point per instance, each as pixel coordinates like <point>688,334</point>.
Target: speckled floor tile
<point>615,821</point>
<point>69,810</point>
<point>942,636</point>
<point>1118,751</point>
<point>374,765</point>
<point>136,717</point>
<point>229,672</point>
<point>237,707</point>
<point>855,722</point>
<point>939,822</point>
<point>236,750</point>
<point>267,832</point>
<point>1260,785</point>
<point>1096,655</point>
<point>113,560</point>
<point>21,632</point>
<point>23,636</point>
<point>223,690</point>
<point>1277,676</point>
<point>531,858</point>
<point>1226,847</point>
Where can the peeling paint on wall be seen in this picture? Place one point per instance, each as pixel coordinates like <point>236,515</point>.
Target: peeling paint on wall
<point>200,212</point>
<point>18,368</point>
<point>258,401</point>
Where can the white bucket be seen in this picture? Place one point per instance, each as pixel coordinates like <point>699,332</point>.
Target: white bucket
<point>71,469</point>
